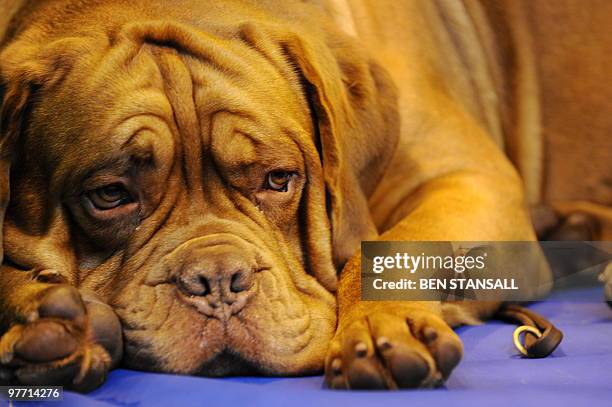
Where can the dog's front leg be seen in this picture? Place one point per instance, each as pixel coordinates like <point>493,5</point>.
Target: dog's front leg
<point>468,192</point>
<point>50,334</point>
<point>395,344</point>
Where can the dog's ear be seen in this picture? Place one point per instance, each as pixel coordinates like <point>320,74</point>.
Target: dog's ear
<point>15,94</point>
<point>354,108</point>
<point>25,70</point>
<point>354,105</point>
<point>4,165</point>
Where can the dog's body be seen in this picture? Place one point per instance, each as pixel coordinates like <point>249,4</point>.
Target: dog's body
<point>206,169</point>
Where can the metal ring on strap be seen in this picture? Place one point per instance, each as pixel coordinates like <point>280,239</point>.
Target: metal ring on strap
<point>517,337</point>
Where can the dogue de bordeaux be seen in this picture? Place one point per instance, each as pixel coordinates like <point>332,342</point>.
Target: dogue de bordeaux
<point>185,184</point>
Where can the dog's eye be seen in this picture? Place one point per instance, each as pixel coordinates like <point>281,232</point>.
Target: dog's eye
<point>278,180</point>
<point>109,197</point>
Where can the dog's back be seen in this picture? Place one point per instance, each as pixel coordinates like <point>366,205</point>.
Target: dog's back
<point>535,74</point>
<point>572,42</point>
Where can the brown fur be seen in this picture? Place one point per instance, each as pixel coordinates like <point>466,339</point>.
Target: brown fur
<point>393,118</point>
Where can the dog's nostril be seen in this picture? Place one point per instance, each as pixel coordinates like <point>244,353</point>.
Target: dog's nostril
<point>205,285</point>
<point>240,281</point>
<point>194,285</point>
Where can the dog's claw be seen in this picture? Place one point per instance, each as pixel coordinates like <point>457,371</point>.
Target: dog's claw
<point>7,344</point>
<point>383,344</point>
<point>429,334</point>
<point>6,358</point>
<point>361,350</point>
<point>51,277</point>
<point>336,366</point>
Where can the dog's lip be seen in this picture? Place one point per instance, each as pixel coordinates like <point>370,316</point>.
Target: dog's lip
<point>235,364</point>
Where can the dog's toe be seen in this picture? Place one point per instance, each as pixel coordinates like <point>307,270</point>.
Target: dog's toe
<point>44,341</point>
<point>106,329</point>
<point>62,301</point>
<point>407,367</point>
<point>352,361</point>
<point>364,374</point>
<point>404,357</point>
<point>447,353</point>
<point>442,342</point>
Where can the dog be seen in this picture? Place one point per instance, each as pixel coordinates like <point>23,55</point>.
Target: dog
<point>185,184</point>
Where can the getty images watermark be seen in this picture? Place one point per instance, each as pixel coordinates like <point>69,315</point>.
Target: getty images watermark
<point>458,271</point>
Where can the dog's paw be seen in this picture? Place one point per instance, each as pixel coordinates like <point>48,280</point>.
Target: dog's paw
<point>57,343</point>
<point>390,350</point>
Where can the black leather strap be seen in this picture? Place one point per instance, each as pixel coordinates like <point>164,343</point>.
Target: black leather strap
<point>535,347</point>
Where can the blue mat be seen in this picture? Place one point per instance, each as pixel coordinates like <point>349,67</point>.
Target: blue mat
<point>579,373</point>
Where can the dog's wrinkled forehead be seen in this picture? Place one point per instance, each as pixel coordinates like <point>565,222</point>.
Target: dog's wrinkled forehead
<point>153,97</point>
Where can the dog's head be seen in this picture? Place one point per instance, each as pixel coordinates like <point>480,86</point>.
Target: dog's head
<point>207,183</point>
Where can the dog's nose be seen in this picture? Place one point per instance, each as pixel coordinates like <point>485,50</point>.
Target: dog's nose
<point>220,275</point>
<point>203,281</point>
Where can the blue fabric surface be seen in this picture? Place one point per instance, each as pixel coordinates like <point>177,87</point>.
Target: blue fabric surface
<point>578,373</point>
